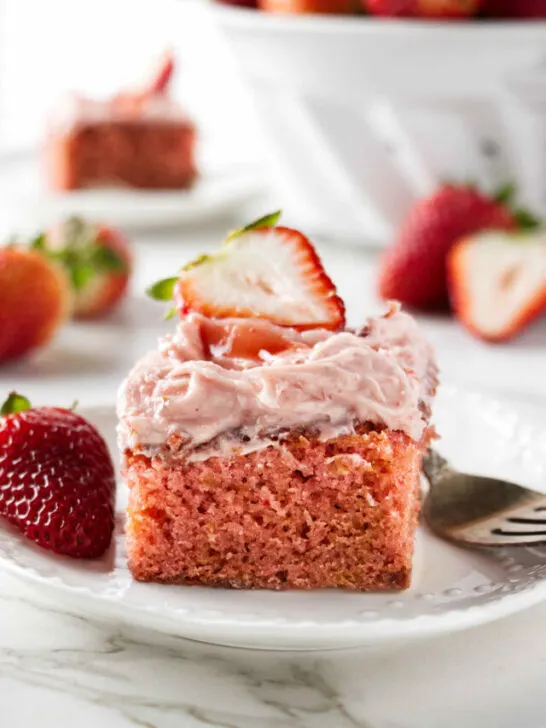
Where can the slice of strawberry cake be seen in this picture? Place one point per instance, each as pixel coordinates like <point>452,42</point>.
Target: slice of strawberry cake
<point>264,444</point>
<point>140,139</point>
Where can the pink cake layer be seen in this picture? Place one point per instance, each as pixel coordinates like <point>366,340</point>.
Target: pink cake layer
<point>145,154</point>
<point>304,514</point>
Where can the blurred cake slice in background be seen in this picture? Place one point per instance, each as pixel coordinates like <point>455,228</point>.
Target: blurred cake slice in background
<point>141,139</point>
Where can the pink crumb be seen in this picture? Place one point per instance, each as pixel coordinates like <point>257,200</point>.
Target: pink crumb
<point>304,514</point>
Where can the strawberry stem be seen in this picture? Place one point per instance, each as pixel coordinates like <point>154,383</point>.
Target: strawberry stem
<point>197,261</point>
<point>265,221</point>
<point>525,219</point>
<point>15,403</point>
<point>505,194</point>
<point>163,76</point>
<point>163,290</point>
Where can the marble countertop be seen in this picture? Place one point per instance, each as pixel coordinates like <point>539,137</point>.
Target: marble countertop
<point>59,669</point>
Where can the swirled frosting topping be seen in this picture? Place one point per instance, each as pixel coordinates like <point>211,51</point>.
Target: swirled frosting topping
<point>204,395</point>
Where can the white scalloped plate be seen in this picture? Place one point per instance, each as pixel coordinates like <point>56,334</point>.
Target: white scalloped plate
<point>453,588</point>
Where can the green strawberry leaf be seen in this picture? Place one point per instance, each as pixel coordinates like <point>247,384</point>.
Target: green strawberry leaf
<point>170,313</point>
<point>198,261</point>
<point>162,290</point>
<point>15,403</point>
<point>265,221</point>
<point>505,194</point>
<point>38,243</point>
<point>106,260</point>
<point>79,253</point>
<point>525,219</point>
<point>80,274</point>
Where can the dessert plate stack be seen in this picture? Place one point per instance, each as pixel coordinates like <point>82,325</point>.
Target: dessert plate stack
<point>452,589</point>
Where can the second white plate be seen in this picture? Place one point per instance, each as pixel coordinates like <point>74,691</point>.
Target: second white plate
<point>452,589</point>
<point>25,202</point>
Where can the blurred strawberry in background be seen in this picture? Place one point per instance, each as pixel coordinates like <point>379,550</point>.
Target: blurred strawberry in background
<point>35,301</point>
<point>424,9</point>
<point>338,7</point>
<point>497,282</point>
<point>240,3</point>
<point>475,252</point>
<point>515,8</point>
<point>413,270</point>
<point>432,9</point>
<point>97,260</point>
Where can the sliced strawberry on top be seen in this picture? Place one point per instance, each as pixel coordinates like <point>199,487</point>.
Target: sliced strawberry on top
<point>269,273</point>
<point>498,282</point>
<point>242,338</point>
<point>261,272</point>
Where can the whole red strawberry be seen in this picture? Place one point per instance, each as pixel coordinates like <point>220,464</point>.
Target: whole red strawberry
<point>413,270</point>
<point>297,7</point>
<point>97,260</point>
<point>57,482</point>
<point>240,3</point>
<point>515,8</point>
<point>424,9</point>
<point>35,301</point>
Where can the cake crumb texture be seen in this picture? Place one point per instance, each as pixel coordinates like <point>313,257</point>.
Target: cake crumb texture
<point>143,155</point>
<point>304,514</point>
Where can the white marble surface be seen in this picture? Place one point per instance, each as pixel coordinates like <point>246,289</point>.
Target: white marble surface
<point>58,669</point>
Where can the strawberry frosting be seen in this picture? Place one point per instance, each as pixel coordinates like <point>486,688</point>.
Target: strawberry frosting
<point>75,110</point>
<point>213,404</point>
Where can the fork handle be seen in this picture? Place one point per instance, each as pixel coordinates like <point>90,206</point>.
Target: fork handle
<point>435,467</point>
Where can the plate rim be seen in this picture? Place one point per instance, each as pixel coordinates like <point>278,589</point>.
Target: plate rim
<point>189,623</point>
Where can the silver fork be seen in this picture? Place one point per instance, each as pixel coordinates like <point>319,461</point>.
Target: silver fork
<point>481,511</point>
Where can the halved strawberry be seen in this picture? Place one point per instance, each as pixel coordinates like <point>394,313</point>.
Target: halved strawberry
<point>498,282</point>
<point>97,259</point>
<point>413,269</point>
<point>261,272</point>
<point>242,338</point>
